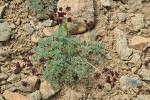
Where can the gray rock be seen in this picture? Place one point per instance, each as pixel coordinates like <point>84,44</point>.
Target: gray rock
<point>145,74</point>
<point>137,21</point>
<point>108,56</point>
<point>3,76</point>
<point>48,23</point>
<point>13,78</point>
<point>129,82</point>
<point>33,83</point>
<point>2,10</point>
<point>42,16</point>
<point>5,31</point>
<point>105,3</point>
<point>135,4</point>
<point>1,98</point>
<point>136,59</point>
<point>47,90</point>
<point>142,97</point>
<point>121,16</point>
<point>35,95</point>
<point>12,26</point>
<point>107,86</point>
<point>121,45</point>
<point>18,22</point>
<point>28,28</point>
<point>80,10</point>
<point>3,53</point>
<point>3,82</point>
<point>3,69</point>
<point>2,20</point>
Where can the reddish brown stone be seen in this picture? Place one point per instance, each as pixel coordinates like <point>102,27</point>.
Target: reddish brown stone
<point>8,95</point>
<point>139,43</point>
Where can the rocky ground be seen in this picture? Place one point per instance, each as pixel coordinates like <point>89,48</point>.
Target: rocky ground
<point>123,26</point>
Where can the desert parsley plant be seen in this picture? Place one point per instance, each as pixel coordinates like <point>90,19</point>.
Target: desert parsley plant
<point>39,5</point>
<point>66,59</point>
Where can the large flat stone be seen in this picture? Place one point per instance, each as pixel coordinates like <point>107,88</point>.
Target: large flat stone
<point>80,10</point>
<point>5,31</point>
<point>121,45</point>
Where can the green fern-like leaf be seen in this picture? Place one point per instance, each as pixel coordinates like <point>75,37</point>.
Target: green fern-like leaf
<point>69,56</point>
<point>38,6</point>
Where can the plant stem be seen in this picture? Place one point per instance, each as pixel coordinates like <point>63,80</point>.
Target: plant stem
<point>96,69</point>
